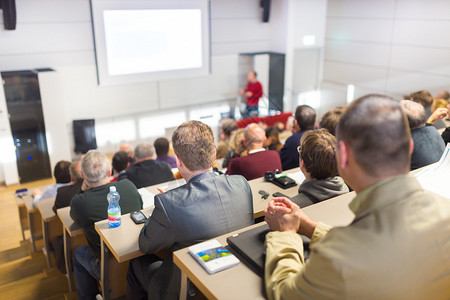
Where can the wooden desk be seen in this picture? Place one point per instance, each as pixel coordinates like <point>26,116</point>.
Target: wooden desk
<point>240,282</point>
<point>51,225</point>
<point>34,219</point>
<point>118,246</point>
<point>23,213</point>
<point>259,204</point>
<point>73,237</point>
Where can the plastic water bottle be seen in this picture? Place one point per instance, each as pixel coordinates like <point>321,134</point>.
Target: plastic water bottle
<point>114,213</point>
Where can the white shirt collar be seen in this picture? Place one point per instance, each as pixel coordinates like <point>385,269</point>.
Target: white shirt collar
<point>256,150</point>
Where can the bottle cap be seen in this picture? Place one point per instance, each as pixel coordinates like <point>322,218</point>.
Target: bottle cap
<point>112,188</point>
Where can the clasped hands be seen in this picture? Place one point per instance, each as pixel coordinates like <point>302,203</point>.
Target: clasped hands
<point>284,215</point>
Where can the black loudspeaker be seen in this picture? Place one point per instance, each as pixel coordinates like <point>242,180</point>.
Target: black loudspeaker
<point>9,13</point>
<point>84,134</point>
<point>265,5</point>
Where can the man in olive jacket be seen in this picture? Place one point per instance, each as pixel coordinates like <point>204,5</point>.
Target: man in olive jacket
<point>397,247</point>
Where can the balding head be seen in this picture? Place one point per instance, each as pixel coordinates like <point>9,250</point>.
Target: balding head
<point>415,114</point>
<point>127,148</point>
<point>376,130</point>
<point>254,136</point>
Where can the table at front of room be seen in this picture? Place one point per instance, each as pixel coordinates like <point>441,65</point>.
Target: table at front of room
<point>118,246</point>
<point>240,282</point>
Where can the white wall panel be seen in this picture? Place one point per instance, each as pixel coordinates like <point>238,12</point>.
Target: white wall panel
<point>368,77</point>
<point>360,30</point>
<point>13,62</point>
<point>422,33</point>
<point>235,9</point>
<point>41,38</point>
<point>421,59</point>
<point>238,30</point>
<point>221,84</point>
<point>85,99</point>
<point>356,52</point>
<point>420,9</point>
<point>43,11</point>
<point>406,82</point>
<point>361,9</point>
<point>239,47</point>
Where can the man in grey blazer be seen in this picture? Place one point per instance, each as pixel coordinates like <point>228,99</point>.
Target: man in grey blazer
<point>208,205</point>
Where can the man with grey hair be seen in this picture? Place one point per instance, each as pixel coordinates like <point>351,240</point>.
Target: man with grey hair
<point>428,144</point>
<point>397,245</point>
<point>146,171</point>
<point>92,206</point>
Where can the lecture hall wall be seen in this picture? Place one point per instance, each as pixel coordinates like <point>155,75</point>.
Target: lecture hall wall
<point>391,47</point>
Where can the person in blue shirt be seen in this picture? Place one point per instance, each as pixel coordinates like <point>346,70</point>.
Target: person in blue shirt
<point>62,176</point>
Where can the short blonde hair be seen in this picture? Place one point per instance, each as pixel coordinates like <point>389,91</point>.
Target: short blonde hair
<point>193,143</point>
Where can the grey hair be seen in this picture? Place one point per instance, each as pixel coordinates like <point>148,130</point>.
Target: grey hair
<point>143,150</point>
<point>95,167</point>
<point>415,113</point>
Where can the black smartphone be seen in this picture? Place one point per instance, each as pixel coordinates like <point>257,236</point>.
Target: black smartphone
<point>278,194</point>
<point>138,217</point>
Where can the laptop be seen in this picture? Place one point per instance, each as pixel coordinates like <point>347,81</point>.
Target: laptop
<point>249,247</point>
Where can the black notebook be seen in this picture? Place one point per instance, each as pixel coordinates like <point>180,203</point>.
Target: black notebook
<point>249,245</point>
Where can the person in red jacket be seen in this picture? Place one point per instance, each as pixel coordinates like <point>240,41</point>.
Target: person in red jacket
<point>253,92</point>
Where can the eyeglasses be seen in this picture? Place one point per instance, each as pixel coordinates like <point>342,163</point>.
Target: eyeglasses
<point>299,150</point>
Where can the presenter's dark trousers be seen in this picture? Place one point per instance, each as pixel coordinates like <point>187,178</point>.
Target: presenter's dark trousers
<point>251,111</point>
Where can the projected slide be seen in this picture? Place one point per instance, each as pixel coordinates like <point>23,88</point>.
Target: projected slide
<point>140,41</point>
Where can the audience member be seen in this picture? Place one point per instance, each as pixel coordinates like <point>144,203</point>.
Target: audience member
<point>128,149</point>
<point>443,95</point>
<point>162,146</point>
<point>207,206</point>
<point>229,128</point>
<point>279,126</point>
<point>426,100</point>
<point>91,206</point>
<point>258,160</point>
<point>428,144</point>
<point>272,139</point>
<point>446,133</point>
<point>394,247</point>
<point>120,163</point>
<point>234,144</point>
<point>62,176</point>
<point>65,194</point>
<point>305,117</point>
<point>146,171</point>
<point>318,163</point>
<point>331,118</point>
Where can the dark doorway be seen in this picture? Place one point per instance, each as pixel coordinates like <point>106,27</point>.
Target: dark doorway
<point>23,100</point>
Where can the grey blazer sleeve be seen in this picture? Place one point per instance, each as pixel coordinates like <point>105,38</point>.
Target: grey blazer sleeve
<point>157,233</point>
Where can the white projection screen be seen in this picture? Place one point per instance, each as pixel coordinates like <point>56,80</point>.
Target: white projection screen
<point>146,40</point>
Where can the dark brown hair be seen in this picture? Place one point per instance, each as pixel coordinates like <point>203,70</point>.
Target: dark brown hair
<point>305,116</point>
<point>318,152</point>
<point>61,172</point>
<point>193,143</point>
<point>377,131</point>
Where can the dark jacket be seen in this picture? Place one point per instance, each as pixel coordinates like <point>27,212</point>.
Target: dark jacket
<point>428,146</point>
<point>92,206</point>
<point>65,194</point>
<point>207,206</point>
<point>289,154</point>
<point>446,135</point>
<point>311,192</point>
<point>149,172</point>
